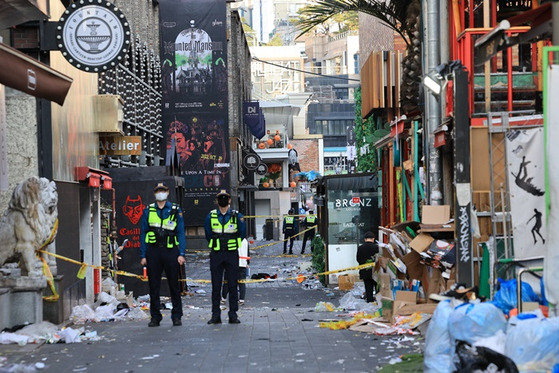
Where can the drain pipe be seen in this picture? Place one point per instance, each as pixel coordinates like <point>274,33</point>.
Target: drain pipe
<point>434,103</point>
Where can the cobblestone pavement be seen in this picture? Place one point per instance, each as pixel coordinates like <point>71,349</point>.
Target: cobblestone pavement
<point>279,332</point>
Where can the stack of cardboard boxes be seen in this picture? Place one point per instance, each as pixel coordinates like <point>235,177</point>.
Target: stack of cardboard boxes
<point>418,261</point>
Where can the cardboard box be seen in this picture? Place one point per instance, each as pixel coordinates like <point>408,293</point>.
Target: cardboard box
<point>402,299</point>
<point>421,242</point>
<point>386,305</point>
<point>346,282</point>
<point>413,265</point>
<point>385,290</point>
<point>435,214</point>
<point>409,309</point>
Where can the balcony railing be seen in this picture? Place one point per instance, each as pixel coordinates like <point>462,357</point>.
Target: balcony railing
<point>514,78</point>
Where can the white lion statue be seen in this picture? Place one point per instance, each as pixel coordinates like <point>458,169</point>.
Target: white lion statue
<point>28,222</point>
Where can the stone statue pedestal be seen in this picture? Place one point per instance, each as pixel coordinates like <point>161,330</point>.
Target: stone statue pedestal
<point>21,300</point>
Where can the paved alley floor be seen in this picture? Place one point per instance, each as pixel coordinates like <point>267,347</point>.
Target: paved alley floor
<point>279,332</point>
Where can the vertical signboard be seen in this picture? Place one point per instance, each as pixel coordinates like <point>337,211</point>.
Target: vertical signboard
<point>462,212</point>
<point>195,98</point>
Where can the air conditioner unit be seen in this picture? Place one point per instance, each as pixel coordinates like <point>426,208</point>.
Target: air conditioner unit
<point>108,114</point>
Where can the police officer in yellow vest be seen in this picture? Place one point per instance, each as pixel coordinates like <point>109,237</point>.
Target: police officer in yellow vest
<point>162,247</point>
<point>310,221</point>
<point>290,229</point>
<point>225,229</point>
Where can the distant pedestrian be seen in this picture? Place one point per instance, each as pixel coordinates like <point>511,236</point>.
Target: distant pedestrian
<point>290,229</point>
<point>310,221</point>
<point>244,262</point>
<point>225,229</point>
<point>365,254</point>
<point>162,248</point>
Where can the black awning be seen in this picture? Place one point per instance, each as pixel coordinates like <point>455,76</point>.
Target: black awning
<point>15,12</point>
<point>21,72</point>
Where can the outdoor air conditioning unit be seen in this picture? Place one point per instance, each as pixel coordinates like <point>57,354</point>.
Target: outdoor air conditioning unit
<point>108,114</point>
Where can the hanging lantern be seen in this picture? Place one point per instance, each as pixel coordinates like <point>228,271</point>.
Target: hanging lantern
<point>289,146</point>
<point>270,142</point>
<point>277,137</point>
<point>261,145</point>
<point>292,184</point>
<point>265,184</point>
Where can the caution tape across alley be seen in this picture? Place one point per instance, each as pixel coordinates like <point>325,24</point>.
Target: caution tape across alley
<point>298,278</point>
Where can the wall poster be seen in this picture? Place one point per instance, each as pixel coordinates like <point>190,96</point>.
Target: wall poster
<point>195,98</point>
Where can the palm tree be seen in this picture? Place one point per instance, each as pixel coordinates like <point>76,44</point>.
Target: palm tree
<point>393,13</point>
<point>402,16</point>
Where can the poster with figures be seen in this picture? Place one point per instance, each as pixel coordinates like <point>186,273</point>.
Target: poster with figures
<point>195,98</point>
<point>525,161</point>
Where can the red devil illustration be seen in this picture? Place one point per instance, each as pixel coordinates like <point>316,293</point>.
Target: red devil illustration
<point>133,208</point>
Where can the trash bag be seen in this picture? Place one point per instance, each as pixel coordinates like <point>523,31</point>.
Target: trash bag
<point>470,358</point>
<point>438,354</point>
<point>471,322</point>
<point>533,343</point>
<point>505,298</point>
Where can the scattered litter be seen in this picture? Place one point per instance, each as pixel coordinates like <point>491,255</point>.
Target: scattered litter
<point>200,292</point>
<point>70,335</point>
<point>324,307</point>
<point>9,338</point>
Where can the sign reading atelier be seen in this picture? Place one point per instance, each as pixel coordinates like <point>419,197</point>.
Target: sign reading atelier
<point>120,145</point>
<point>92,36</point>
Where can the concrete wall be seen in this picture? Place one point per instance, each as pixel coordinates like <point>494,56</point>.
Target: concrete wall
<point>21,141</point>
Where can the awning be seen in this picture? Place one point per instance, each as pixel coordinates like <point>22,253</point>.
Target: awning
<point>15,12</point>
<point>21,72</point>
<point>95,178</point>
<point>496,40</point>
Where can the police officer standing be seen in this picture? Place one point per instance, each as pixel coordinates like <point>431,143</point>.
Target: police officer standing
<point>225,229</point>
<point>309,221</point>
<point>289,229</point>
<point>162,247</point>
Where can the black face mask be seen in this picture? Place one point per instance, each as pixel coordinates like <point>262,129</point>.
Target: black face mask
<point>223,201</point>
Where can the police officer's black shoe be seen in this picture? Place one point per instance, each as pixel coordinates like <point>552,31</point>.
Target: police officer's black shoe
<point>290,252</point>
<point>154,323</point>
<point>177,322</point>
<point>234,321</point>
<point>214,321</point>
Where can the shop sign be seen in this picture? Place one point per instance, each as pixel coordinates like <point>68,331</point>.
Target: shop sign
<point>93,37</point>
<point>120,145</point>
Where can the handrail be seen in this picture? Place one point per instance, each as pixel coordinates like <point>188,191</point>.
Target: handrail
<point>531,271</point>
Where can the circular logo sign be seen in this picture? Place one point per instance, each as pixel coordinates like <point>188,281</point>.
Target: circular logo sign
<point>262,169</point>
<point>93,37</point>
<point>251,161</point>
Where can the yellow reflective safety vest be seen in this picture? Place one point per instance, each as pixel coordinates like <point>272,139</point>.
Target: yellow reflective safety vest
<point>162,231</point>
<point>224,235</point>
<point>311,219</point>
<point>289,222</point>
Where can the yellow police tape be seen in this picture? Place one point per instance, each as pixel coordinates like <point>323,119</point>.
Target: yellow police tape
<point>142,278</point>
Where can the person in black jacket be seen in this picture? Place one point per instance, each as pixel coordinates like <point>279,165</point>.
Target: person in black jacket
<point>365,254</point>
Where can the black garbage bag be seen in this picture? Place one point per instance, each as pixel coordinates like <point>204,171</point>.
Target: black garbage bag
<point>470,359</point>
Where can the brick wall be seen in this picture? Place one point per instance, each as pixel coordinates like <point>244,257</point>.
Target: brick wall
<point>26,37</point>
<point>307,151</point>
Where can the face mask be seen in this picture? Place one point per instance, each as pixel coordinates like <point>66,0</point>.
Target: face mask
<point>161,196</point>
<point>223,202</point>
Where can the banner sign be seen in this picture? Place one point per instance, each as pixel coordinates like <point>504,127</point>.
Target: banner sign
<point>527,191</point>
<point>195,98</point>
<point>252,118</point>
<point>93,37</point>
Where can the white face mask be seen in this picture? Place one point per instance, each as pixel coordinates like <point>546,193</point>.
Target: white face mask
<point>161,196</point>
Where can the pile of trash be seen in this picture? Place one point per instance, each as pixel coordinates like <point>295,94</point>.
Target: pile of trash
<point>470,335</point>
<point>46,332</point>
<point>107,308</point>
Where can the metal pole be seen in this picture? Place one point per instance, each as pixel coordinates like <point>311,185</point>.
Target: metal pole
<point>555,27</point>
<point>434,114</point>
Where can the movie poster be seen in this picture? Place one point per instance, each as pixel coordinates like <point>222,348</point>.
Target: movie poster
<point>195,98</point>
